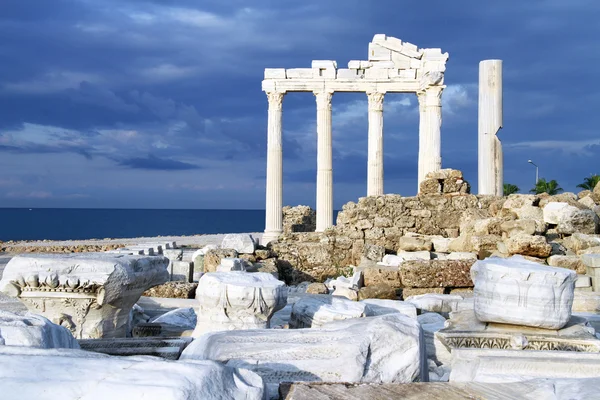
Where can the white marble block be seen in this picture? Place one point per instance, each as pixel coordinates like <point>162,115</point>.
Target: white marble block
<point>521,292</point>
<point>48,374</point>
<point>90,294</point>
<point>33,330</point>
<point>313,311</point>
<point>237,300</point>
<point>369,350</point>
<point>231,264</point>
<point>240,242</point>
<point>376,307</point>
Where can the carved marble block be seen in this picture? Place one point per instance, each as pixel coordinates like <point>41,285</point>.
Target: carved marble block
<point>33,330</point>
<point>237,300</point>
<point>313,311</point>
<point>68,374</point>
<point>89,294</point>
<point>376,349</point>
<point>521,292</point>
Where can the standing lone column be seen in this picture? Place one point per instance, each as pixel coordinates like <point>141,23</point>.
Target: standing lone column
<point>274,201</point>
<point>490,160</point>
<point>430,141</point>
<point>324,162</point>
<point>375,152</point>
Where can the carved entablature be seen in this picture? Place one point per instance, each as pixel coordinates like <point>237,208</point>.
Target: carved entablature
<point>54,283</point>
<point>391,66</point>
<point>458,340</point>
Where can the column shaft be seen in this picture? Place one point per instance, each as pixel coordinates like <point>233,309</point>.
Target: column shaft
<point>324,162</point>
<point>422,126</point>
<point>430,140</point>
<point>490,168</point>
<point>274,190</point>
<point>375,150</point>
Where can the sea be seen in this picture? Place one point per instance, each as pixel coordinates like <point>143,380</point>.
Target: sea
<point>97,223</point>
<point>101,223</point>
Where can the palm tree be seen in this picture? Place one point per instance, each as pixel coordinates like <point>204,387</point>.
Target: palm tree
<point>543,186</point>
<point>509,189</point>
<point>590,182</point>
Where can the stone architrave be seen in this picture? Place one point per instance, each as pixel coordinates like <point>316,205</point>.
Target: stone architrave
<point>324,161</point>
<point>495,366</point>
<point>237,300</point>
<point>68,374</point>
<point>521,292</point>
<point>376,349</point>
<point>313,311</point>
<point>90,294</point>
<point>375,146</point>
<point>32,330</point>
<point>274,191</point>
<point>491,175</point>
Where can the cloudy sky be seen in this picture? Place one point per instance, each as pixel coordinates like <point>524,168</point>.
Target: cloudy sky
<point>158,104</point>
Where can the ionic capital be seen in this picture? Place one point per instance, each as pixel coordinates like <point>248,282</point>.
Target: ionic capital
<point>375,101</point>
<point>323,99</point>
<point>275,100</point>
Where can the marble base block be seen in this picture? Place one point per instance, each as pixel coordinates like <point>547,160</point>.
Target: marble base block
<point>237,300</point>
<point>517,291</point>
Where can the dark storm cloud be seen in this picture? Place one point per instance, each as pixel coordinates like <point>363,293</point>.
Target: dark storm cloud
<point>180,80</point>
<point>154,163</point>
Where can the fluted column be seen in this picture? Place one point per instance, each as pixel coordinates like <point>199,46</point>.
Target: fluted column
<point>430,141</point>
<point>490,160</point>
<point>375,151</point>
<point>274,200</point>
<point>324,162</point>
<point>422,124</point>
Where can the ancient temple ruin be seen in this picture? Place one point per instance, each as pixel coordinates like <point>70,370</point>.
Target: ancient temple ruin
<point>392,66</point>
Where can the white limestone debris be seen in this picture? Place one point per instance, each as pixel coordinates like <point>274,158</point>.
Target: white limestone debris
<point>237,300</point>
<point>313,311</point>
<point>76,374</point>
<point>32,330</point>
<point>240,242</point>
<point>376,349</point>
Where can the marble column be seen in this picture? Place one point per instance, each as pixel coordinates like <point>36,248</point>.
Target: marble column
<point>430,124</point>
<point>274,200</point>
<point>490,160</point>
<point>375,150</point>
<point>324,162</point>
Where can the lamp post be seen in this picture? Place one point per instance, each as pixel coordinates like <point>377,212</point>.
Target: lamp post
<point>537,177</point>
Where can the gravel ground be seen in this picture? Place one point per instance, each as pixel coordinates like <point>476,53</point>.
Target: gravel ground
<point>196,241</point>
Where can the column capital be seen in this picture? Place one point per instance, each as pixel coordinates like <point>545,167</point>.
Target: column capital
<point>275,100</point>
<point>375,101</point>
<point>323,98</point>
<point>431,96</point>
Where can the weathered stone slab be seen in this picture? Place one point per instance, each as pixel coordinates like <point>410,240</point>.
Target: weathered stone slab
<point>439,303</point>
<point>33,330</point>
<point>181,271</point>
<point>240,242</point>
<point>414,243</point>
<point>382,275</point>
<point>77,374</point>
<point>516,291</point>
<point>375,349</point>
<point>237,300</point>
<point>382,291</point>
<point>212,258</point>
<point>530,390</point>
<point>569,262</point>
<point>376,307</point>
<point>313,311</point>
<point>411,292</point>
<point>588,302</point>
<point>167,348</point>
<point>528,245</point>
<point>432,273</point>
<point>91,294</point>
<point>492,365</point>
